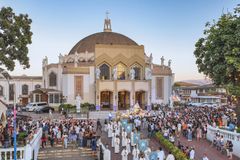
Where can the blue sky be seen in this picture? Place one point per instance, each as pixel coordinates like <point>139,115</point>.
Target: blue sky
<point>166,28</point>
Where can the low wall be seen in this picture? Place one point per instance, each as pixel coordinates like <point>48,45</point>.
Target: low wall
<point>228,135</point>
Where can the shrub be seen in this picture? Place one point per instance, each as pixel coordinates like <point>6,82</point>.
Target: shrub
<point>21,136</point>
<point>85,107</point>
<point>178,154</point>
<point>66,107</point>
<point>238,130</point>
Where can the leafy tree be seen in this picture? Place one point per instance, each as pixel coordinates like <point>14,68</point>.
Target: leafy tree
<point>218,52</point>
<point>15,35</point>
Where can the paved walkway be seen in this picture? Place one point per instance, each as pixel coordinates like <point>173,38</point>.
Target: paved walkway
<point>204,146</point>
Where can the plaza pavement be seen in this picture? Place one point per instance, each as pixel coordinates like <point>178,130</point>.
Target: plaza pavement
<point>204,146</point>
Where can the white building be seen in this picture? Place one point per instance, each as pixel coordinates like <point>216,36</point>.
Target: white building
<point>23,86</point>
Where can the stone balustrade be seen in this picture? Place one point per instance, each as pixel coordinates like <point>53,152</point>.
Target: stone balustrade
<point>28,152</point>
<point>228,135</point>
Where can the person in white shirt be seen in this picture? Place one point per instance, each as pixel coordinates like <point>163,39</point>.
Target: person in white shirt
<point>170,156</point>
<point>106,153</point>
<point>142,156</point>
<point>128,146</point>
<point>124,138</point>
<point>135,153</point>
<point>179,128</point>
<point>147,153</point>
<point>192,154</point>
<point>205,157</point>
<point>161,154</point>
<point>124,154</point>
<point>132,139</point>
<point>117,143</point>
<point>113,138</point>
<point>109,128</point>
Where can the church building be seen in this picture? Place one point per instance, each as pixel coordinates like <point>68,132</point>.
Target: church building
<point>109,70</point>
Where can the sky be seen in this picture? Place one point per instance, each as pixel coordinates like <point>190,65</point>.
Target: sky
<point>165,28</point>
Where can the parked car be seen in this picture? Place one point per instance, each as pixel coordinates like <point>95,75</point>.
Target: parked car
<point>44,109</point>
<point>194,104</point>
<point>37,105</point>
<point>214,105</point>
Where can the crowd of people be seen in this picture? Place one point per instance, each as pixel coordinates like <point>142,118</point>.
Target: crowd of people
<point>191,122</point>
<point>123,142</point>
<point>79,133</point>
<point>25,130</point>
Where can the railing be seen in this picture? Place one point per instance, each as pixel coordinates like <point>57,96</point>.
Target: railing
<point>228,135</point>
<point>7,153</point>
<point>28,152</point>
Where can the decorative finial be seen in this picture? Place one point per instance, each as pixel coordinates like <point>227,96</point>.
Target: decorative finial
<point>169,63</point>
<point>107,24</point>
<point>162,60</point>
<point>151,58</point>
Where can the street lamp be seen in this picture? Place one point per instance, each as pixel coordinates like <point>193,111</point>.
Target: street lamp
<point>8,77</point>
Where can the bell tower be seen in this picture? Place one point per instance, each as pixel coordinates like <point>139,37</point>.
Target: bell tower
<point>107,24</point>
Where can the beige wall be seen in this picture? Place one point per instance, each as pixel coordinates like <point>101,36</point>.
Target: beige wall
<point>142,86</point>
<point>124,86</point>
<point>106,86</point>
<point>113,54</point>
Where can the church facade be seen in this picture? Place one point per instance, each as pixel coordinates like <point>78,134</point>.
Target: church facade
<point>109,70</point>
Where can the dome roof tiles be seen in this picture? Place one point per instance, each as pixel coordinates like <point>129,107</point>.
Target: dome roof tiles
<point>88,43</point>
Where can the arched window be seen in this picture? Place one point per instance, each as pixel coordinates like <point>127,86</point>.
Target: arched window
<point>37,86</point>
<point>121,71</point>
<point>105,72</point>
<point>52,79</point>
<point>24,89</point>
<point>11,92</point>
<point>1,90</point>
<point>137,68</point>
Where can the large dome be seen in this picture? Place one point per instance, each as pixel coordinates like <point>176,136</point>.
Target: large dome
<point>88,43</point>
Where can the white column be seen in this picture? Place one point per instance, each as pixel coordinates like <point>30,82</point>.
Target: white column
<point>148,98</point>
<point>34,97</point>
<point>28,152</point>
<point>131,98</point>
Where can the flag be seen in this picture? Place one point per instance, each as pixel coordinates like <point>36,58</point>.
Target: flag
<point>128,128</point>
<point>136,137</point>
<point>153,156</point>
<point>142,145</point>
<point>124,123</point>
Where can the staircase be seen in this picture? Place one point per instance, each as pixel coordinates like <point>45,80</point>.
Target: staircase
<point>71,153</point>
<point>102,114</point>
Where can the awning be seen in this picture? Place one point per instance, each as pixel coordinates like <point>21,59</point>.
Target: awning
<point>45,90</point>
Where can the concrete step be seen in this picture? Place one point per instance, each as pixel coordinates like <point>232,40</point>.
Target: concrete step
<point>100,114</point>
<point>71,153</point>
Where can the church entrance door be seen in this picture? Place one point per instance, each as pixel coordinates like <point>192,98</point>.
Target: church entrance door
<point>106,100</point>
<point>123,100</point>
<point>140,98</point>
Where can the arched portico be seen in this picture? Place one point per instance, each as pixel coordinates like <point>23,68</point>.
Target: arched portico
<point>106,100</point>
<point>141,98</point>
<point>123,100</point>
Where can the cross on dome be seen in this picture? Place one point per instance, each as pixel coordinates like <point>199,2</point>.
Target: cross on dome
<point>107,24</point>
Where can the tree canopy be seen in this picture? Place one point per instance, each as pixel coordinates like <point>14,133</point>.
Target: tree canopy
<point>218,52</point>
<point>15,35</point>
